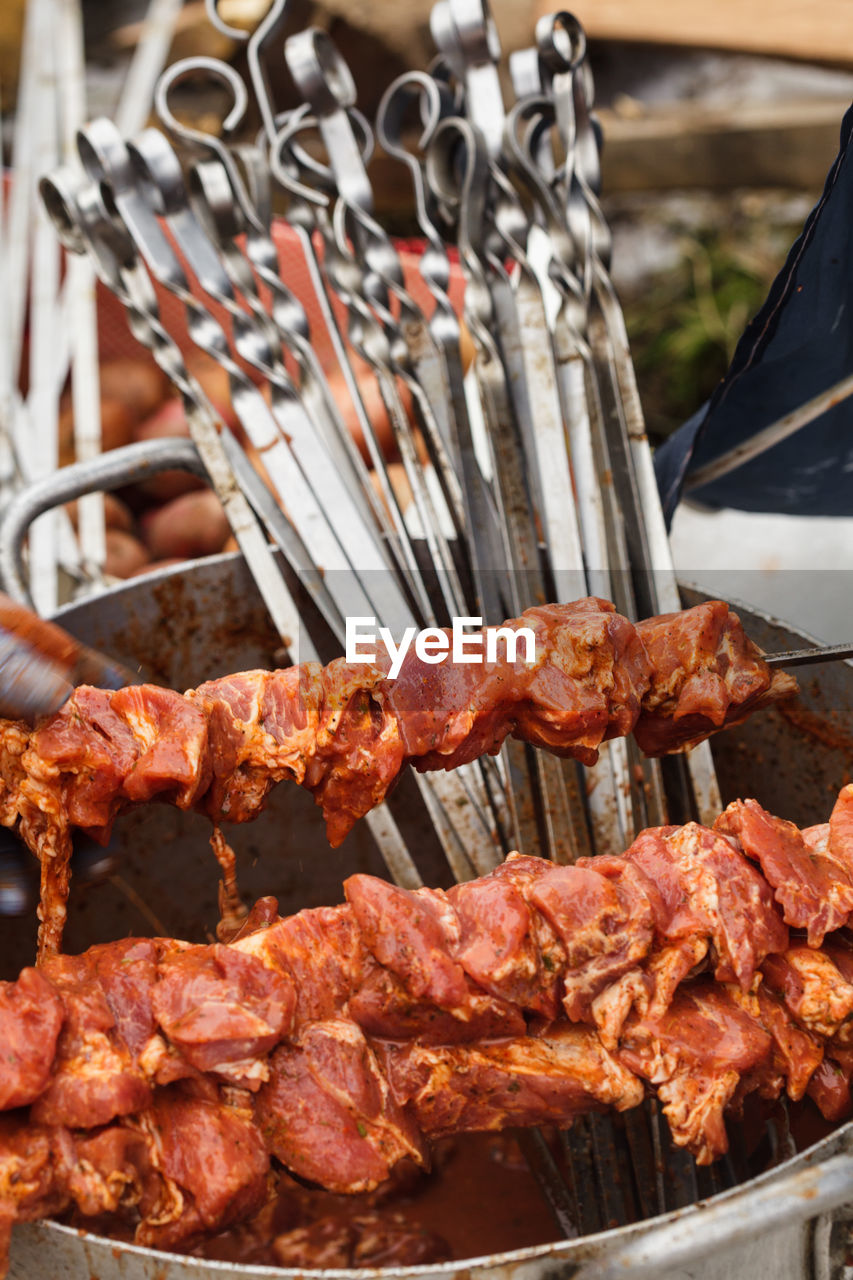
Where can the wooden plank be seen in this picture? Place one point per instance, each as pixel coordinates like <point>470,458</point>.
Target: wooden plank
<point>784,144</point>
<point>11,33</point>
<point>788,145</point>
<point>802,29</point>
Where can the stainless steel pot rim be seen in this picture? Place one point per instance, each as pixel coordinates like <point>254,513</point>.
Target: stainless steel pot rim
<point>599,1244</point>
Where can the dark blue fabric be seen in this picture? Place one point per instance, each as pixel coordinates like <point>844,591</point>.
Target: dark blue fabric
<point>800,343</point>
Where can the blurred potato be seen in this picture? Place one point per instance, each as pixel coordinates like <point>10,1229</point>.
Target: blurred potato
<point>374,407</point>
<point>117,423</point>
<point>193,524</point>
<point>139,384</point>
<point>215,385</point>
<point>117,515</point>
<point>125,554</point>
<point>117,426</point>
<point>169,420</point>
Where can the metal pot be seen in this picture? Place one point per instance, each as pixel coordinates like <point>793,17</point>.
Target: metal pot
<point>194,622</point>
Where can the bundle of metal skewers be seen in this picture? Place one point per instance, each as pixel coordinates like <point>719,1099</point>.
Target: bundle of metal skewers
<point>538,482</point>
<point>48,325</point>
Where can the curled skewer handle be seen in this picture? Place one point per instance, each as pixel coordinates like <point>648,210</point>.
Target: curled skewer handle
<point>561,41</point>
<point>58,191</point>
<point>235,206</point>
<point>290,162</point>
<point>478,50</point>
<point>108,162</point>
<point>158,172</point>
<point>104,155</point>
<point>75,206</point>
<point>476,31</point>
<point>435,103</point>
<point>215,18</point>
<point>186,69</point>
<point>457,171</point>
<point>319,72</point>
<point>325,82</point>
<point>207,145</point>
<point>434,100</point>
<point>255,43</point>
<point>443,31</point>
<point>212,199</point>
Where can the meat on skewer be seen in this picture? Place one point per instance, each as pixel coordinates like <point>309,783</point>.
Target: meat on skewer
<point>155,1079</point>
<point>345,731</point>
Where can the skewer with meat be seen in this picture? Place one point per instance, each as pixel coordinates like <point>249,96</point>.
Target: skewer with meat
<point>161,1082</point>
<point>345,731</point>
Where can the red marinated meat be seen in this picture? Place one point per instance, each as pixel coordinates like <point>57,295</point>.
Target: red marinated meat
<point>126,972</point>
<point>706,673</point>
<point>829,1088</point>
<point>321,950</point>
<point>695,1055</point>
<point>27,1190</point>
<point>383,1007</point>
<point>162,1077</point>
<point>94,1076</point>
<point>92,749</point>
<point>184,1167</point>
<point>31,1014</point>
<point>546,1079</point>
<point>327,1111</point>
<point>213,1155</point>
<point>523,873</point>
<point>605,927</point>
<point>841,827</point>
<point>222,1010</point>
<point>812,987</point>
<point>106,1171</point>
<point>346,730</point>
<point>413,934</point>
<point>795,1054</point>
<point>710,894</point>
<point>813,888</point>
<point>586,684</point>
<point>498,947</point>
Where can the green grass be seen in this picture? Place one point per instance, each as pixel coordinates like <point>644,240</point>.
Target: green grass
<point>685,325</point>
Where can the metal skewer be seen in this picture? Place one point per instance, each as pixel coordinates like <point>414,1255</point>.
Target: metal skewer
<point>226,272</point>
<point>526,345</point>
<point>75,207</point>
<point>308,216</point>
<point>307,205</point>
<point>458,841</point>
<point>809,657</point>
